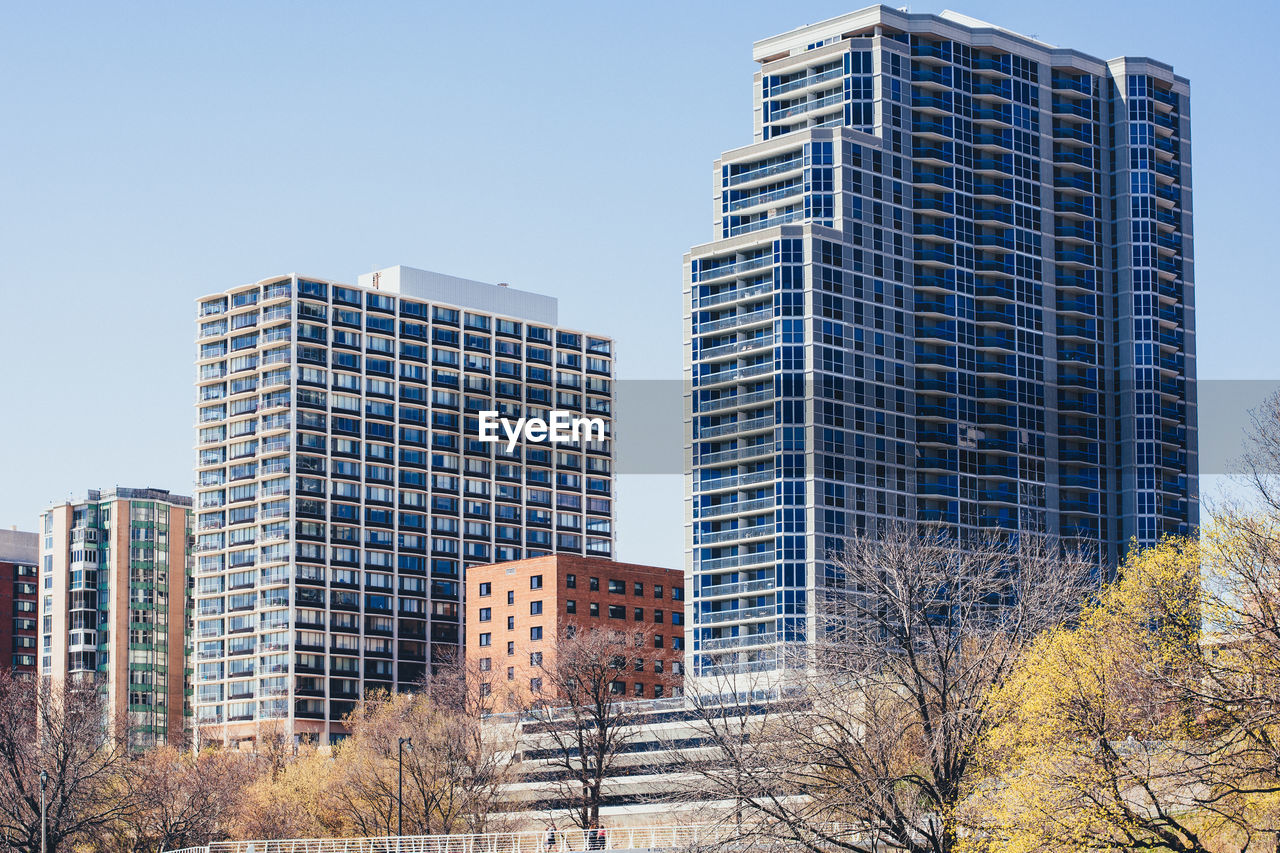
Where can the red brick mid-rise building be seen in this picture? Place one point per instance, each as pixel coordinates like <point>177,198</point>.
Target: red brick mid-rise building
<point>19,556</point>
<point>516,612</point>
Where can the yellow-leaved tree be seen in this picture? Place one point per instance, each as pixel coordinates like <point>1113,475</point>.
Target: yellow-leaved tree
<point>1087,755</point>
<point>1135,728</point>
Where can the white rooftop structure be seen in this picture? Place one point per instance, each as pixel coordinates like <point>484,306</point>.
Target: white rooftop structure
<point>464,293</point>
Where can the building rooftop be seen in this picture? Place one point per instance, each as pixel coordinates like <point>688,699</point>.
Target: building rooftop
<point>863,20</point>
<point>463,293</point>
<point>127,494</point>
<point>19,546</point>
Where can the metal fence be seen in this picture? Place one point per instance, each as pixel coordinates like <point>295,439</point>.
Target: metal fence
<point>535,841</point>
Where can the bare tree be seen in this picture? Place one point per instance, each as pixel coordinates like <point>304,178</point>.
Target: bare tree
<point>727,748</point>
<point>593,724</point>
<point>178,800</point>
<point>60,730</point>
<point>871,747</point>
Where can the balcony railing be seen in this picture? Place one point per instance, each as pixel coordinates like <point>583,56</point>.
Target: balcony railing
<point>719,564</point>
<point>766,171</point>
<point>741,615</point>
<point>740,588</point>
<point>722,536</point>
<point>806,107</point>
<point>718,643</point>
<point>749,425</point>
<point>735,295</point>
<point>735,508</point>
<point>802,82</point>
<point>735,401</point>
<point>734,268</point>
<point>735,321</point>
<point>681,836</point>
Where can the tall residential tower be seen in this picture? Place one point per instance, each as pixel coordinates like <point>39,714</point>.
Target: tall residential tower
<point>114,605</point>
<point>951,281</point>
<point>344,482</point>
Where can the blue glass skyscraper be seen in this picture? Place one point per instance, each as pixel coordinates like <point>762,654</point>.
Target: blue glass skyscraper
<point>951,281</point>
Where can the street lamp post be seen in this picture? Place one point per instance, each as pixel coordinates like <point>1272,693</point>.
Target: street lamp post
<point>44,819</point>
<point>404,741</point>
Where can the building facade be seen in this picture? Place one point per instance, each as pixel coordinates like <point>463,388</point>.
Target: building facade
<point>19,557</point>
<point>517,611</point>
<point>345,483</point>
<point>951,281</point>
<point>115,605</point>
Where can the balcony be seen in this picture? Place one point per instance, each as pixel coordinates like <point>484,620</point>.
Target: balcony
<point>931,128</point>
<point>1007,366</point>
<point>755,451</point>
<point>942,230</point>
<point>1072,157</point>
<point>1079,507</point>
<point>767,197</point>
<point>804,82</point>
<point>761,224</point>
<point>1081,257</point>
<point>921,101</point>
<point>1080,86</point>
<point>1075,133</point>
<point>994,116</point>
<point>809,106</point>
<point>744,614</point>
<point>1001,165</point>
<point>938,77</point>
<point>735,401</point>
<point>743,588</point>
<point>1074,109</point>
<point>1173,195</point>
<point>736,374</point>
<point>734,508</point>
<point>720,643</point>
<point>739,534</point>
<point>1002,140</point>
<point>1001,89</point>
<point>1073,205</point>
<point>763,342</point>
<point>720,564</point>
<point>993,214</point>
<point>724,270</point>
<point>766,171</point>
<point>736,428</point>
<point>924,152</point>
<point>735,481</point>
<point>735,321</point>
<point>735,295</point>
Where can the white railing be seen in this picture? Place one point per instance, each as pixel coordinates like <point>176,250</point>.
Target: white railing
<point>535,841</point>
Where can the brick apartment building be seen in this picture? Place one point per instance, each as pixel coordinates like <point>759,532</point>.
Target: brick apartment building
<point>19,556</point>
<point>516,612</point>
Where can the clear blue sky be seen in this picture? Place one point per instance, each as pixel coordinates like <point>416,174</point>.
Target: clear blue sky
<point>153,152</point>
